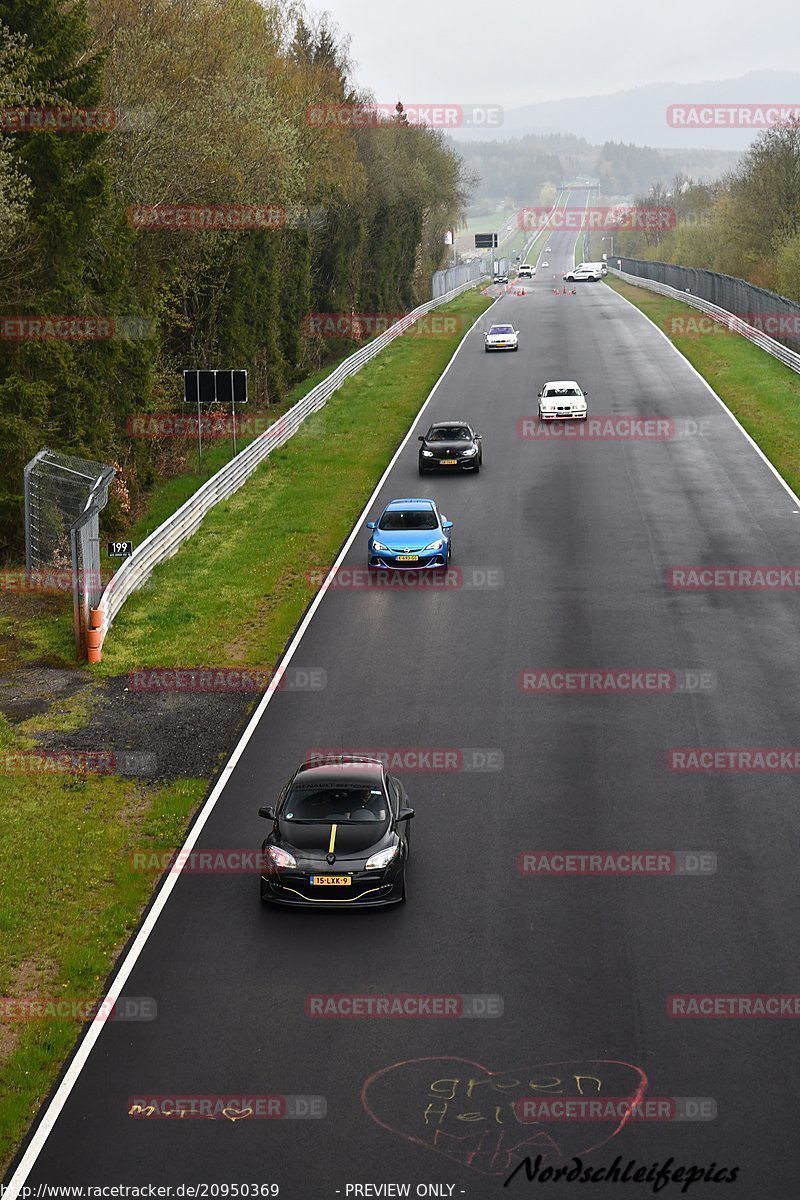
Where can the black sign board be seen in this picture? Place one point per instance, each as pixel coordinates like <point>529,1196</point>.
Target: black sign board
<point>485,241</point>
<point>215,387</point>
<point>120,549</point>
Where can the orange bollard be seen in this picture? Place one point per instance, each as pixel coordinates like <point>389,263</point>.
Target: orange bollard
<point>94,638</point>
<point>94,655</point>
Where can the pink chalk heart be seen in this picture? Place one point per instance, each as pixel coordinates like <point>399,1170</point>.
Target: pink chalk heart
<point>475,1116</point>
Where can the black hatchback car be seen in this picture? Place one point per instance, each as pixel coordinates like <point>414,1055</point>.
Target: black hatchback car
<point>450,446</point>
<point>339,837</point>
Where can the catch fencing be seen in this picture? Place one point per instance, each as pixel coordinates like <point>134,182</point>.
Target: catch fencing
<point>164,541</point>
<point>770,321</point>
<point>446,281</point>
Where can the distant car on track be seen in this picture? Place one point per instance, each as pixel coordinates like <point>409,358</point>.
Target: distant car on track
<point>410,534</point>
<point>527,271</point>
<point>583,274</point>
<point>450,446</point>
<point>501,337</point>
<point>562,400</point>
<point>545,264</point>
<point>339,837</point>
<point>501,279</point>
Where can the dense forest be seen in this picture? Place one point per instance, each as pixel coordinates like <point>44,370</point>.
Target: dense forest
<point>201,103</point>
<point>745,224</point>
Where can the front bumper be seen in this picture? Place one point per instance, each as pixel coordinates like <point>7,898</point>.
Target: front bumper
<point>388,560</point>
<point>500,345</point>
<point>575,414</point>
<point>371,889</point>
<point>460,464</point>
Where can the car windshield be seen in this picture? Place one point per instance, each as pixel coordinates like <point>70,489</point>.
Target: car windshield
<point>398,519</point>
<point>569,391</point>
<point>502,329</point>
<point>340,803</point>
<point>449,433</point>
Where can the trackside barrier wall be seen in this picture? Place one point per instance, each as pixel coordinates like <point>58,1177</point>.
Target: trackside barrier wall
<point>695,288</point>
<point>164,541</point>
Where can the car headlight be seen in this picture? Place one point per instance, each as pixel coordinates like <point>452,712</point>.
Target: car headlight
<point>437,545</point>
<point>473,450</point>
<point>427,453</point>
<point>379,546</point>
<point>382,859</point>
<point>280,859</point>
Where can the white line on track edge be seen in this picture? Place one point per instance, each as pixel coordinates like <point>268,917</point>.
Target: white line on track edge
<point>85,1048</point>
<point>708,386</point>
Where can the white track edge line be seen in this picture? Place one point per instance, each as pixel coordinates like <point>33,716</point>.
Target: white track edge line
<point>709,388</point>
<point>56,1104</point>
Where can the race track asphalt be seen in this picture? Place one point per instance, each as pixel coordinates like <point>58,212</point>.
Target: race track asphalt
<point>565,544</point>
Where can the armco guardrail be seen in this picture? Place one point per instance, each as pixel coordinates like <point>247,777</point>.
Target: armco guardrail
<point>732,322</point>
<point>162,543</point>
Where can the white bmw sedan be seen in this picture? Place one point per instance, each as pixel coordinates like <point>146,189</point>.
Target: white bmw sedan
<point>562,400</point>
<point>501,337</point>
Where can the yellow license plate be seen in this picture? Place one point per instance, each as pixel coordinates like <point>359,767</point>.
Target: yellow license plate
<point>408,558</point>
<point>447,462</point>
<point>331,880</point>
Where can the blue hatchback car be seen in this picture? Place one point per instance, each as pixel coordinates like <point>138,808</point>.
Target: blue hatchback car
<point>410,534</point>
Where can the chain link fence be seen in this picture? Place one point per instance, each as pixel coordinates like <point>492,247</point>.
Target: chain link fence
<point>63,498</point>
<point>443,282</point>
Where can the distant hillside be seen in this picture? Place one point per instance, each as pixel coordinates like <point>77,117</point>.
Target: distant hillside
<point>639,114</point>
<point>515,172</point>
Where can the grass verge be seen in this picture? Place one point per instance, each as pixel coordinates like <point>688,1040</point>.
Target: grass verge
<point>760,391</point>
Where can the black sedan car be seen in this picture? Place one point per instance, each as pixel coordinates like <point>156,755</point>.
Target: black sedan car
<point>450,446</point>
<point>339,837</point>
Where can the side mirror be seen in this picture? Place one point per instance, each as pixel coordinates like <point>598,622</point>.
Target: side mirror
<point>516,331</point>
<point>540,394</point>
<point>267,811</point>
<point>420,438</point>
<point>586,393</point>
<point>447,524</point>
<point>405,814</point>
<point>478,437</point>
<point>370,524</point>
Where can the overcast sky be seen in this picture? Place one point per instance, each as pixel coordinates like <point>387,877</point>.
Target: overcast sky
<point>430,51</point>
